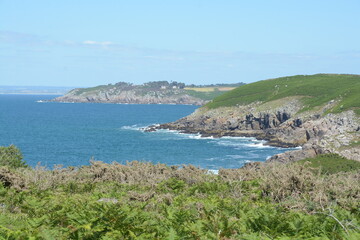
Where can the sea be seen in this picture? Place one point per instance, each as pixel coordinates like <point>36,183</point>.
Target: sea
<point>73,134</point>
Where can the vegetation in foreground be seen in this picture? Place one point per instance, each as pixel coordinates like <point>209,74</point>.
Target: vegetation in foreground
<point>316,90</point>
<point>147,201</point>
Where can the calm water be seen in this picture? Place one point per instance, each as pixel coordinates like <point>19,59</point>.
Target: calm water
<point>71,134</point>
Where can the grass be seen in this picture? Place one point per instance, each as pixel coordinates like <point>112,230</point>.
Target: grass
<point>204,95</point>
<point>90,90</point>
<point>331,164</point>
<point>315,90</point>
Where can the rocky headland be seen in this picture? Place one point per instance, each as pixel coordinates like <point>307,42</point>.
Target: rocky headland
<point>160,92</point>
<point>283,122</point>
<point>132,97</point>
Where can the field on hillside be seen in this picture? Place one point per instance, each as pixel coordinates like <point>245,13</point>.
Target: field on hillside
<point>203,94</point>
<point>207,93</point>
<point>209,89</point>
<point>315,90</point>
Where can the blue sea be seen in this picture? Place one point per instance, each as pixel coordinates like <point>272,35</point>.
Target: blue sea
<point>73,133</point>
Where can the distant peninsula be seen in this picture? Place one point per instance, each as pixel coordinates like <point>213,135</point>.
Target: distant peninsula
<point>157,92</point>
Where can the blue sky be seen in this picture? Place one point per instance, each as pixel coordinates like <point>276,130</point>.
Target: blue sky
<point>87,43</point>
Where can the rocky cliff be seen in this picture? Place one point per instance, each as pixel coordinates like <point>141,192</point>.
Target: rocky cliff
<point>132,97</point>
<point>285,122</point>
<point>149,93</point>
<point>281,126</point>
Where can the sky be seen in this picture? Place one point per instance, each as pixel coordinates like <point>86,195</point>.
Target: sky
<point>85,43</point>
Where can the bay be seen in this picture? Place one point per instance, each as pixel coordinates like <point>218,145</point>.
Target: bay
<point>73,133</point>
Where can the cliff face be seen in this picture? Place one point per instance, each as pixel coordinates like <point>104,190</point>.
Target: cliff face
<point>280,124</point>
<point>149,93</point>
<point>132,97</point>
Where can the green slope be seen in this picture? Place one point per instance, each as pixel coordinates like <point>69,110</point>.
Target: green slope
<point>331,163</point>
<point>316,90</point>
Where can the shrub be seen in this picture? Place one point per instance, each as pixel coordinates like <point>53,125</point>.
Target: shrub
<point>11,157</point>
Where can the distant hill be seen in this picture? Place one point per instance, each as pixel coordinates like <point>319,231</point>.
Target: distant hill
<point>314,90</point>
<point>158,92</point>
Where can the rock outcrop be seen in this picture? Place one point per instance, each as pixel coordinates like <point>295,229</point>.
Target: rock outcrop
<point>149,93</point>
<point>281,125</point>
<point>133,97</point>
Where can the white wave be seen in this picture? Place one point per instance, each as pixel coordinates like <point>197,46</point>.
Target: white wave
<point>135,127</point>
<point>140,127</point>
<point>184,135</point>
<point>257,145</point>
<point>235,156</point>
<point>195,136</point>
<point>241,138</point>
<point>210,137</point>
<point>132,127</point>
<point>231,143</point>
<point>198,136</point>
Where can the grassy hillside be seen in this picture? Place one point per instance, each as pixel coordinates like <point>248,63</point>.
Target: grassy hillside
<point>316,90</point>
<point>204,95</point>
<point>331,164</point>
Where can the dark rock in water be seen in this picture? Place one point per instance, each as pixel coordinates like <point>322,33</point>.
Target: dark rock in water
<point>151,128</point>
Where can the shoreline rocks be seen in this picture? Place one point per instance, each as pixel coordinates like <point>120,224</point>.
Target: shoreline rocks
<point>315,132</point>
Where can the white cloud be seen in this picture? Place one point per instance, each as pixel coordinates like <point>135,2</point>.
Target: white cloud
<point>89,42</point>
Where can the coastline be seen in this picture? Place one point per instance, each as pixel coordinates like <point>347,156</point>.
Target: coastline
<point>313,133</point>
<point>257,134</point>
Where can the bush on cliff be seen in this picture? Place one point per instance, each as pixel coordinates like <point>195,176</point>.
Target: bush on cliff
<point>12,157</point>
